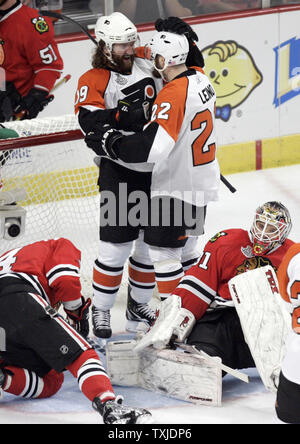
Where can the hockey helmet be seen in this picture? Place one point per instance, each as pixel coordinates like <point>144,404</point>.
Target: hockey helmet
<point>271,226</point>
<point>115,28</point>
<point>173,47</point>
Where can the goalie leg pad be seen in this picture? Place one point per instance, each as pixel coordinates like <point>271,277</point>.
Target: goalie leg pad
<point>264,319</point>
<point>170,372</point>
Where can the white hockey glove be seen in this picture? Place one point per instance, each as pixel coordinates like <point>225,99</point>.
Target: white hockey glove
<point>173,322</point>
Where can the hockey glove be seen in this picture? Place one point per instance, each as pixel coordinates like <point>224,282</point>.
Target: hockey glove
<point>79,319</point>
<point>9,99</point>
<point>102,141</point>
<point>132,115</point>
<point>32,104</point>
<point>179,26</point>
<point>176,25</point>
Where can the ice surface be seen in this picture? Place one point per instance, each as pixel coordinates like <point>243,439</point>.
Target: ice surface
<point>242,403</point>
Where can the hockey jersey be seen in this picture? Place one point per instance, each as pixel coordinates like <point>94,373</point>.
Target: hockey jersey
<point>289,283</point>
<point>184,148</point>
<point>100,89</point>
<point>52,267</point>
<point>225,255</point>
<point>180,141</point>
<point>28,52</point>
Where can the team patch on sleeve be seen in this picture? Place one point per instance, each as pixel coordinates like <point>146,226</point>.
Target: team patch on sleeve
<point>217,236</point>
<point>40,24</point>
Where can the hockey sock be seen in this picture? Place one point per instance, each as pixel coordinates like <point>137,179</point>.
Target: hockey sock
<point>92,378</point>
<point>142,281</point>
<point>168,277</point>
<point>106,284</point>
<point>27,384</point>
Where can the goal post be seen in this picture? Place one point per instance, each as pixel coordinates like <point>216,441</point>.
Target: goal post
<point>51,162</point>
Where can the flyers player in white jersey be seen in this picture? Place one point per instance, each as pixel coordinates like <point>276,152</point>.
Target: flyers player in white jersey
<point>288,393</point>
<point>36,343</point>
<point>180,142</point>
<point>115,93</point>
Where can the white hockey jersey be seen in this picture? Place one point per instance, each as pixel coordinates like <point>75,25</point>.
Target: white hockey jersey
<point>102,89</point>
<point>184,148</point>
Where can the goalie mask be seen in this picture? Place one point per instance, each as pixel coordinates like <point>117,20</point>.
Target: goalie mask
<point>271,226</point>
<point>174,48</point>
<point>115,29</point>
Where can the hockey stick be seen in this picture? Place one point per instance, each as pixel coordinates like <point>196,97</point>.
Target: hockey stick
<point>228,184</point>
<point>59,16</point>
<point>57,85</point>
<point>193,350</point>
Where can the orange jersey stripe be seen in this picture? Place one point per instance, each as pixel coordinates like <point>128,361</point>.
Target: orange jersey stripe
<point>282,275</point>
<point>91,89</point>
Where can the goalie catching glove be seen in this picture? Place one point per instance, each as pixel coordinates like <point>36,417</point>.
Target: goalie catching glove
<point>179,26</point>
<point>79,319</point>
<point>173,323</point>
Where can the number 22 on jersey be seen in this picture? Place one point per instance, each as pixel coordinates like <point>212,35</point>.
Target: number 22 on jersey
<point>203,152</point>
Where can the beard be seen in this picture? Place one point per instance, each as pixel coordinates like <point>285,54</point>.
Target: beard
<point>124,63</point>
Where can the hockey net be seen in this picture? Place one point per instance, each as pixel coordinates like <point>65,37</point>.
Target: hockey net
<point>51,162</point>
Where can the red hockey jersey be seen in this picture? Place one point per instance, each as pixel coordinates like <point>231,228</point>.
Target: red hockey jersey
<point>28,51</point>
<point>52,267</point>
<point>226,255</point>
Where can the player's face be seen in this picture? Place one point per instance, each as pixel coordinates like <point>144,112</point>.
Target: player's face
<point>123,56</point>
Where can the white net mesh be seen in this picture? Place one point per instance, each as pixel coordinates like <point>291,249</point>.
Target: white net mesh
<point>50,125</point>
<point>60,180</point>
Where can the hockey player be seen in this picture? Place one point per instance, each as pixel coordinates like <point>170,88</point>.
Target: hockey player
<point>204,313</point>
<point>36,343</point>
<point>288,393</point>
<point>180,142</point>
<point>29,59</point>
<point>115,93</point>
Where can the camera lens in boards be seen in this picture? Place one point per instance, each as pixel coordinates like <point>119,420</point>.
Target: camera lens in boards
<point>13,228</point>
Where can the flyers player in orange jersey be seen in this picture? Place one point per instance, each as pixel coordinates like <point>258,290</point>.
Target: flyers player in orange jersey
<point>180,143</point>
<point>29,60</point>
<point>117,92</point>
<point>203,298</point>
<point>288,393</point>
<point>36,343</point>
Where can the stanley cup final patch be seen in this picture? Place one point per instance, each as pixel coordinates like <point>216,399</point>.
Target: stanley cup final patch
<point>40,24</point>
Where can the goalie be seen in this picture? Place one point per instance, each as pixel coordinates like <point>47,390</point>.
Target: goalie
<point>201,308</point>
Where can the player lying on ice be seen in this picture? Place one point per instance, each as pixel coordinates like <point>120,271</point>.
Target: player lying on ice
<point>37,344</point>
<point>203,312</point>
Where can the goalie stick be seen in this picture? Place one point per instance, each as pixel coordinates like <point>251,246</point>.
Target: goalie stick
<point>193,350</point>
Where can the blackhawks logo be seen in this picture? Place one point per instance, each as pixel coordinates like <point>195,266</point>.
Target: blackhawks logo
<point>40,25</point>
<point>253,263</point>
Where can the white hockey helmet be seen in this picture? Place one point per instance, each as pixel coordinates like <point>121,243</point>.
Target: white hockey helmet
<point>271,226</point>
<point>115,28</point>
<point>173,47</point>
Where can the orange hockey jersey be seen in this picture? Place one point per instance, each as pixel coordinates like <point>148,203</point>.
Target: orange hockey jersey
<point>289,283</point>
